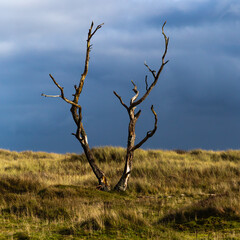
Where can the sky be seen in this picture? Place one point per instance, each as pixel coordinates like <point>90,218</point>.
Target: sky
<point>197,97</point>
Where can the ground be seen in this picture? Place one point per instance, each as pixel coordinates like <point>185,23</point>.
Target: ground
<point>171,195</point>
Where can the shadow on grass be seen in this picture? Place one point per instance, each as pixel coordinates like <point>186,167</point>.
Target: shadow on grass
<point>206,215</point>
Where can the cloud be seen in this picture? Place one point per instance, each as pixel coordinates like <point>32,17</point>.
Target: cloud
<point>47,25</point>
<point>6,48</point>
<point>199,85</point>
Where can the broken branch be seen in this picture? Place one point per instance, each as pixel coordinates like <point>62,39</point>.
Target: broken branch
<point>44,95</point>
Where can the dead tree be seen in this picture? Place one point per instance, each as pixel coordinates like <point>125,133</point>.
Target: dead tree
<point>76,110</point>
<point>131,146</point>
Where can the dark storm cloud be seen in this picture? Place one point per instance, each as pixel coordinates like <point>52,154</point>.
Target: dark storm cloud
<point>205,13</point>
<point>197,97</point>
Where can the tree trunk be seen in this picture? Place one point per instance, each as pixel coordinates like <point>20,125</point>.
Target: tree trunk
<point>82,138</point>
<point>122,184</point>
<point>102,180</point>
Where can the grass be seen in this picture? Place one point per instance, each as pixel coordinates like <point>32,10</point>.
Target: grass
<point>171,195</point>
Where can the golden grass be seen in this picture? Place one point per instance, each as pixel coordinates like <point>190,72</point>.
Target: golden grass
<point>171,195</point>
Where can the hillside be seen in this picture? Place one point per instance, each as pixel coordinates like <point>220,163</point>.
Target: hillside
<point>171,195</point>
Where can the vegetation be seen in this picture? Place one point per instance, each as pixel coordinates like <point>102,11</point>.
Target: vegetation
<point>172,195</point>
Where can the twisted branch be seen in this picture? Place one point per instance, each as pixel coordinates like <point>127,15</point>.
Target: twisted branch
<point>136,93</point>
<point>149,133</point>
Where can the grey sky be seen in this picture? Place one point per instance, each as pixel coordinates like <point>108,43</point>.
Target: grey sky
<point>197,97</point>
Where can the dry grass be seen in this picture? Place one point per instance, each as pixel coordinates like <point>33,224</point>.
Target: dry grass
<point>171,195</point>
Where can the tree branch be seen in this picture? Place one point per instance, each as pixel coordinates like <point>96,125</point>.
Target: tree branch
<point>78,89</point>
<point>54,96</point>
<point>149,133</point>
<point>150,70</point>
<point>146,82</point>
<point>87,57</point>
<point>165,52</point>
<point>62,94</point>
<point>121,101</point>
<point>98,27</point>
<point>137,115</point>
<point>156,76</point>
<point>166,44</point>
<point>136,93</point>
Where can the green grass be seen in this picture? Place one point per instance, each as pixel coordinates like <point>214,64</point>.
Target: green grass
<point>171,195</point>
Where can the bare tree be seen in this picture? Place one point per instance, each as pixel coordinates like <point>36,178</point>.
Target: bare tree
<point>131,146</point>
<point>76,110</point>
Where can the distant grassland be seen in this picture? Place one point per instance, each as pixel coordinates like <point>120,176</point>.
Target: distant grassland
<point>171,195</point>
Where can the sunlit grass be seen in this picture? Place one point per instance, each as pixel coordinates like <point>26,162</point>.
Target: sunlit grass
<point>171,195</point>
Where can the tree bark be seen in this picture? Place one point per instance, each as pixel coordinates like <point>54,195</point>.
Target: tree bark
<point>123,182</point>
<point>102,180</point>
